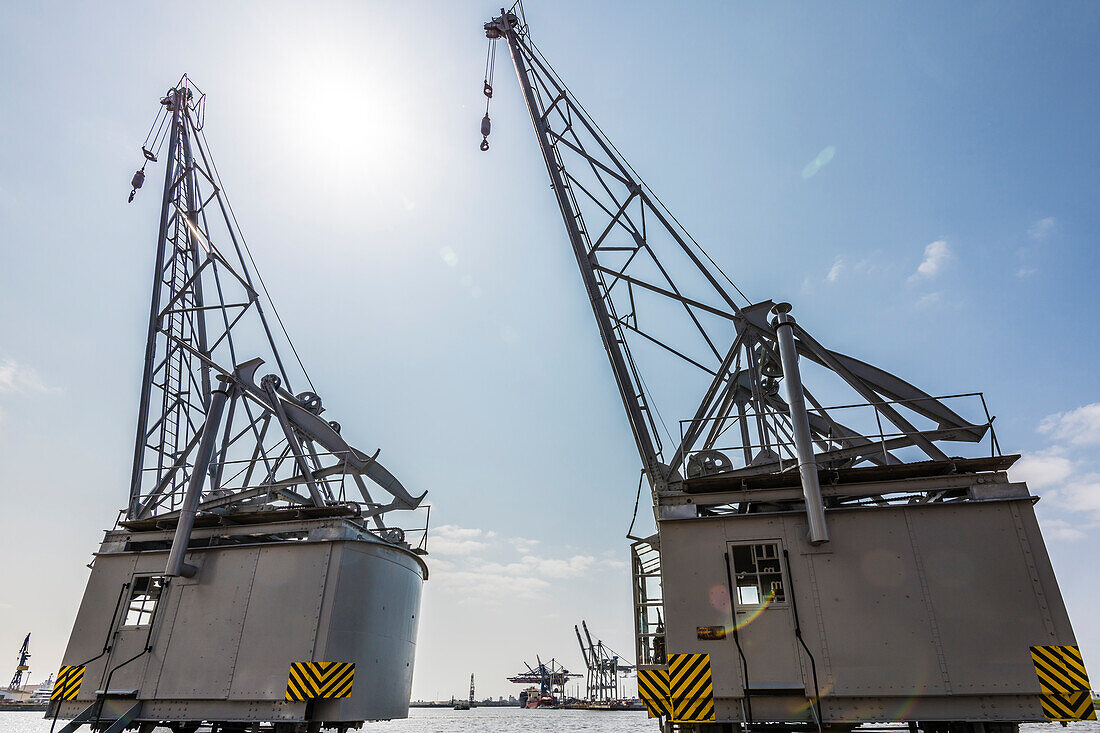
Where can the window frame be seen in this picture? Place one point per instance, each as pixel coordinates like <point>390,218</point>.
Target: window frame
<point>141,617</point>
<point>759,577</point>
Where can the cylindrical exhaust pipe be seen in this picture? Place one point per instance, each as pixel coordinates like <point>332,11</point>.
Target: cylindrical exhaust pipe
<point>803,443</point>
<point>176,566</point>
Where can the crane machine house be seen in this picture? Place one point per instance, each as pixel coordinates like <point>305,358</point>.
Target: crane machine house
<point>834,546</point>
<point>253,577</point>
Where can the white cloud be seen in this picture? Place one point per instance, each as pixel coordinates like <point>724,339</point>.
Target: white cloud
<point>1043,469</point>
<point>437,564</point>
<point>1043,228</point>
<point>936,255</point>
<point>1060,529</point>
<point>19,379</point>
<point>444,546</point>
<point>481,565</point>
<point>543,567</point>
<point>449,539</point>
<point>928,299</point>
<point>1025,272</point>
<point>523,545</point>
<point>482,587</point>
<point>449,256</point>
<point>844,267</point>
<point>455,532</point>
<point>1082,493</point>
<point>1068,471</point>
<point>567,568</point>
<point>1076,427</point>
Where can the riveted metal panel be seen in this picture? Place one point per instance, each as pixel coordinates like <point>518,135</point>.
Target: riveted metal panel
<point>374,618</point>
<point>921,611</point>
<point>94,621</point>
<point>987,591</point>
<point>203,639</point>
<point>881,634</point>
<point>283,617</point>
<point>223,642</point>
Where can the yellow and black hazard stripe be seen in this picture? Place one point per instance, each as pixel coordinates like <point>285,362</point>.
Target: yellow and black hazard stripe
<point>1064,683</point>
<point>691,688</point>
<point>1068,706</point>
<point>653,689</point>
<point>319,680</point>
<point>67,684</point>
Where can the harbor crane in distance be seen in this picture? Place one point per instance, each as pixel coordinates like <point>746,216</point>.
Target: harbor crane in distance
<point>466,704</point>
<point>258,576</point>
<point>21,667</point>
<point>550,677</point>
<point>605,668</point>
<point>834,545</point>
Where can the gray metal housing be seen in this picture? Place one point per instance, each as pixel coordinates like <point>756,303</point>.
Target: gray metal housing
<point>221,643</point>
<point>921,611</point>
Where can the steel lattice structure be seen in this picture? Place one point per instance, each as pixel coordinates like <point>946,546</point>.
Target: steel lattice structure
<point>209,337</point>
<point>781,441</point>
<point>21,667</point>
<point>550,676</point>
<point>605,667</point>
<point>658,297</point>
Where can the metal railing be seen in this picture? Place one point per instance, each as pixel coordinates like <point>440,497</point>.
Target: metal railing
<point>857,431</point>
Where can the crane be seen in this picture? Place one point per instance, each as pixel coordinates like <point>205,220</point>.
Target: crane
<point>240,478</point>
<point>550,677</point>
<point>208,308</point>
<point>21,667</point>
<point>605,666</point>
<point>465,704</point>
<point>761,446</point>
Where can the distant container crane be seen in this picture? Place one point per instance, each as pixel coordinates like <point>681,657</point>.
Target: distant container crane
<point>605,668</point>
<point>21,667</point>
<point>466,705</point>
<point>549,677</point>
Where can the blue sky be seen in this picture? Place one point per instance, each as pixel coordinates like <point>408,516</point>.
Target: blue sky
<point>919,180</point>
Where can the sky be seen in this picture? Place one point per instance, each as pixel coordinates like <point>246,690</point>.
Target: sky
<point>918,180</point>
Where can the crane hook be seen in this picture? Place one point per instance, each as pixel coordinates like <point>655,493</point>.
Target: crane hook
<point>486,126</point>
<point>136,182</point>
<point>488,90</point>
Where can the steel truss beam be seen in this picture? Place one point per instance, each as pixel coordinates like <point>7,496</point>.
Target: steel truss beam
<point>641,268</point>
<point>207,322</point>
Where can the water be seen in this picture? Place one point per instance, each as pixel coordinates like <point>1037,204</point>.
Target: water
<point>435,720</point>
<point>446,720</point>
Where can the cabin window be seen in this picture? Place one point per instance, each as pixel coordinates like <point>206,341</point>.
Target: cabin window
<point>144,595</point>
<point>757,574</point>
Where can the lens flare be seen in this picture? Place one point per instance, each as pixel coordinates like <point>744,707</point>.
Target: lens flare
<point>720,600</point>
<point>743,622</point>
<point>907,704</point>
<point>812,701</point>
